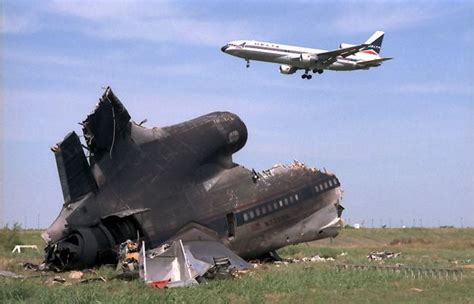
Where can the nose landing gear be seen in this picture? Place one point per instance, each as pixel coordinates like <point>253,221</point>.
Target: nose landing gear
<point>248,63</point>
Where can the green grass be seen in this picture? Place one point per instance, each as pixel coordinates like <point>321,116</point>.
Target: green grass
<point>303,282</point>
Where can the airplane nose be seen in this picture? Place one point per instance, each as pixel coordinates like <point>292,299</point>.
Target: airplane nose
<point>224,48</point>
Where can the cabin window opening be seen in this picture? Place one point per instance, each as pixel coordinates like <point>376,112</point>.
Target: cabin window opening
<point>275,205</point>
<point>231,225</point>
<point>264,209</point>
<point>325,185</point>
<point>316,188</point>
<point>296,197</point>
<point>251,214</point>
<point>286,201</point>
<point>269,208</point>
<point>281,203</point>
<point>330,183</point>
<point>257,212</point>
<point>291,199</point>
<point>246,217</point>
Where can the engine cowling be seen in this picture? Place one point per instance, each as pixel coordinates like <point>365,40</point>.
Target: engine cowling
<point>308,58</point>
<point>287,69</point>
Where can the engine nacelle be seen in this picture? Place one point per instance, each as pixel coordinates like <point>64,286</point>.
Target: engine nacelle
<point>287,69</point>
<point>308,58</point>
<point>345,45</point>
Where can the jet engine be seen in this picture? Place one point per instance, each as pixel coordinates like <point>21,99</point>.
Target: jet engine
<point>308,58</point>
<point>287,69</point>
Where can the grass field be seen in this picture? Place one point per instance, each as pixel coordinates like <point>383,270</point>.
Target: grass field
<point>309,282</point>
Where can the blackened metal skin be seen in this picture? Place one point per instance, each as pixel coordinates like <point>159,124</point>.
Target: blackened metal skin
<point>150,183</point>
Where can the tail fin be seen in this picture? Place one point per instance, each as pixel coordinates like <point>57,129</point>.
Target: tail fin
<point>375,41</point>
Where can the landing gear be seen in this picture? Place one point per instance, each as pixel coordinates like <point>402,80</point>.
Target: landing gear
<point>306,75</point>
<point>317,71</point>
<point>248,63</point>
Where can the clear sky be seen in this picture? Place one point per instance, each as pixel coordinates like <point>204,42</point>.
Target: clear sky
<point>399,137</point>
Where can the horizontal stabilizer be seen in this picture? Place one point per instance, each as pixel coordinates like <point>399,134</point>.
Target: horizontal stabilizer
<point>374,62</point>
<point>74,171</point>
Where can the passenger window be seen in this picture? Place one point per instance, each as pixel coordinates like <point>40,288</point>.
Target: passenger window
<point>246,217</point>
<point>316,188</point>
<point>275,205</point>
<point>281,203</point>
<point>330,183</point>
<point>257,212</point>
<point>286,201</point>
<point>296,197</point>
<point>269,207</point>
<point>264,209</point>
<point>252,215</point>
<point>291,199</point>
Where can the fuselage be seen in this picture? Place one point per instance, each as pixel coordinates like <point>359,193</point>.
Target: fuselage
<point>157,181</point>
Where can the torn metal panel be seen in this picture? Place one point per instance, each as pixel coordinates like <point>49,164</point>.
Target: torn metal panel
<point>180,182</point>
<point>172,266</point>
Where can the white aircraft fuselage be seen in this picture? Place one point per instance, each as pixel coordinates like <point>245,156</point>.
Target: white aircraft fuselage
<point>348,57</point>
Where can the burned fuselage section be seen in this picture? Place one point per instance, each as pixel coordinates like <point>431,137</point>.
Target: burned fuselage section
<point>160,184</point>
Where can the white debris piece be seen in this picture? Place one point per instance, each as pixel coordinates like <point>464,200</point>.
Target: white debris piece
<point>382,255</point>
<point>18,248</point>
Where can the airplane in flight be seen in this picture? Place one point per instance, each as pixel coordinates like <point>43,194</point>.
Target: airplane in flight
<point>347,57</point>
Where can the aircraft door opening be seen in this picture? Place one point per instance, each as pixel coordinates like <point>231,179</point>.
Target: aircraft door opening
<point>231,225</point>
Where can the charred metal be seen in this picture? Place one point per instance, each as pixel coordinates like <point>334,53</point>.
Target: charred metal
<point>179,183</point>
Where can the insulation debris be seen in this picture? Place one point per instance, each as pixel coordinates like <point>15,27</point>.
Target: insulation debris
<point>382,255</point>
<point>128,256</point>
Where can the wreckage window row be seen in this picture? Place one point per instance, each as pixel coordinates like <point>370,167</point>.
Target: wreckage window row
<point>281,203</point>
<point>270,207</point>
<point>328,184</point>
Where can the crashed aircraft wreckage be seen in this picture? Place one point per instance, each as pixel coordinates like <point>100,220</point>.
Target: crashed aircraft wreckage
<point>177,188</point>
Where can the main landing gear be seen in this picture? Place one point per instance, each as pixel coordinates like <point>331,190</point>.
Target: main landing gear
<point>306,74</point>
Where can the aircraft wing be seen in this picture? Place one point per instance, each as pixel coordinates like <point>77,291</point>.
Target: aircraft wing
<point>329,57</point>
<point>189,255</point>
<point>372,63</point>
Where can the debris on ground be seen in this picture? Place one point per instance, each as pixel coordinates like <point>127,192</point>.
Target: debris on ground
<point>129,252</point>
<point>76,275</point>
<point>187,263</point>
<point>416,289</point>
<point>382,255</point>
<point>59,279</point>
<point>18,248</point>
<point>96,279</point>
<point>37,267</point>
<point>315,258</point>
<point>9,274</point>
